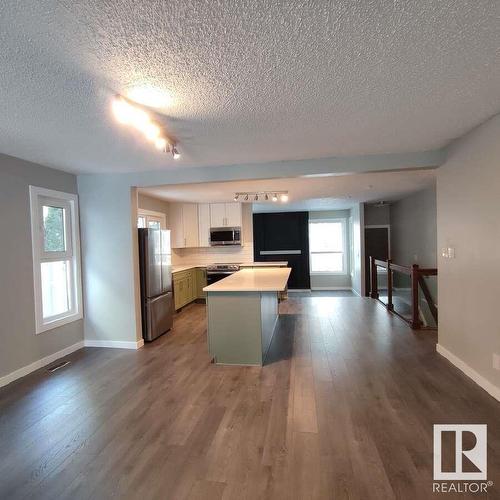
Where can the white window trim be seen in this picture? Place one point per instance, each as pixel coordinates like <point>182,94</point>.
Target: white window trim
<point>70,200</point>
<point>152,213</point>
<point>343,252</point>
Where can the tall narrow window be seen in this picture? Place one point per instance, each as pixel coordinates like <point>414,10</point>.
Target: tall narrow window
<point>327,243</point>
<point>56,258</point>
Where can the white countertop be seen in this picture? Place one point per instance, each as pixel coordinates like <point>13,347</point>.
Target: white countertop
<point>177,269</point>
<point>185,267</point>
<point>281,263</point>
<point>253,280</point>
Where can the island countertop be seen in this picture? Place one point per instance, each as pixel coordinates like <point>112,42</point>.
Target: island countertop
<point>253,280</point>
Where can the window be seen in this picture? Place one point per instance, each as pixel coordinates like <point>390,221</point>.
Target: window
<point>148,218</point>
<point>56,258</point>
<point>327,246</point>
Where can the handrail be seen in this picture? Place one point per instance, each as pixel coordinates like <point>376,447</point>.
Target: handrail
<point>417,279</point>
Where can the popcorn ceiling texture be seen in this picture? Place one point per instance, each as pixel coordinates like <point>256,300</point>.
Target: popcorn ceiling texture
<point>251,81</point>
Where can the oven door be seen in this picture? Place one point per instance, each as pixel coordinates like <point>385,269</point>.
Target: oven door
<point>214,276</point>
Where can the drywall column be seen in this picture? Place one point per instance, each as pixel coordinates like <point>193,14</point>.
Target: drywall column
<point>107,207</point>
<point>468,204</point>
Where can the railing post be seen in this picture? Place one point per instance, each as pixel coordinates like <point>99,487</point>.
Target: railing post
<point>415,318</point>
<point>390,305</point>
<point>373,281</point>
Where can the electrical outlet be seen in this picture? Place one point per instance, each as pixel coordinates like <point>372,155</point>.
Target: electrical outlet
<point>496,361</point>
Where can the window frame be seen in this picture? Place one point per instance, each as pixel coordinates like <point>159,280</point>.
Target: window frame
<point>343,252</point>
<point>38,198</point>
<point>149,215</point>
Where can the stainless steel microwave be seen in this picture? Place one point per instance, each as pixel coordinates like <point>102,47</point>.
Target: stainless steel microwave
<point>223,236</point>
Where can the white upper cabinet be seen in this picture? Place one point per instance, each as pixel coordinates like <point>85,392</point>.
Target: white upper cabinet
<point>184,225</point>
<point>233,214</point>
<point>225,214</point>
<point>204,224</point>
<point>217,214</point>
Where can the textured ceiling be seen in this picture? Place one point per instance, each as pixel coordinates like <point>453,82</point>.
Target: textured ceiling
<point>316,193</point>
<point>250,81</point>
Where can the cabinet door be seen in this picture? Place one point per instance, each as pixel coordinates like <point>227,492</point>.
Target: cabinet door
<point>233,214</point>
<point>177,295</point>
<point>201,283</point>
<point>218,215</point>
<point>190,223</point>
<point>203,224</point>
<point>176,225</point>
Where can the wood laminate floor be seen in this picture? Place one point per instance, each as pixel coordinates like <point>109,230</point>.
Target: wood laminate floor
<point>343,409</point>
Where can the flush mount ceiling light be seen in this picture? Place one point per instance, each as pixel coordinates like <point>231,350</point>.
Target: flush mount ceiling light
<point>262,195</point>
<point>134,116</point>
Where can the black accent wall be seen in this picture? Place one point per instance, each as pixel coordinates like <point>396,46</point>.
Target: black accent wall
<point>280,232</point>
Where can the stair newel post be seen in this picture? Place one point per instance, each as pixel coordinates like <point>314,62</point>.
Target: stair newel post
<point>373,281</point>
<point>390,305</point>
<point>415,318</point>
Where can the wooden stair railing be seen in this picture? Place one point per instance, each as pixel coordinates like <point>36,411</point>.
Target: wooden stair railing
<point>416,274</point>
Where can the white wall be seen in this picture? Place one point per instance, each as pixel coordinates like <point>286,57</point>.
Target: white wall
<point>358,242</point>
<point>468,219</point>
<point>19,346</point>
<point>154,204</point>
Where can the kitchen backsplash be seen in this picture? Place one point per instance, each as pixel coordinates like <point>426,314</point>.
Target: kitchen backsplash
<point>211,255</point>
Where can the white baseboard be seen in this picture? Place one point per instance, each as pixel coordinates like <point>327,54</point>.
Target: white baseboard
<point>115,344</point>
<point>485,384</point>
<point>47,360</point>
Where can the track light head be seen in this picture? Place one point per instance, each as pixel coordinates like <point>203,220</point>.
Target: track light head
<point>267,197</point>
<point>175,153</point>
<point>284,198</point>
<point>256,197</point>
<point>246,197</point>
<point>236,196</point>
<point>275,197</point>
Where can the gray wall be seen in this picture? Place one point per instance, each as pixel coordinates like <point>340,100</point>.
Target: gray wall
<point>377,216</point>
<point>468,208</point>
<point>19,344</point>
<point>414,229</point>
<point>325,281</point>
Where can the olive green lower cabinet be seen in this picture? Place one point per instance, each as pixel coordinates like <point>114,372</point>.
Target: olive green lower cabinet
<point>241,324</point>
<point>188,286</point>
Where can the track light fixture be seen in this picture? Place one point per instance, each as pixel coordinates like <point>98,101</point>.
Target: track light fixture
<point>262,195</point>
<point>132,115</point>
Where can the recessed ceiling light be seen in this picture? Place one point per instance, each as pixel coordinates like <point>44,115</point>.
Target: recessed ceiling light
<point>149,96</point>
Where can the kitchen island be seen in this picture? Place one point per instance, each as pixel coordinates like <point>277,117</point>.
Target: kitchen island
<point>242,312</point>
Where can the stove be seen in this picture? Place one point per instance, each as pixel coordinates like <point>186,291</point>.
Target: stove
<point>223,268</point>
<point>217,272</point>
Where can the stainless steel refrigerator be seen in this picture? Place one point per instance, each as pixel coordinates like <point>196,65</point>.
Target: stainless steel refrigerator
<point>155,261</point>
